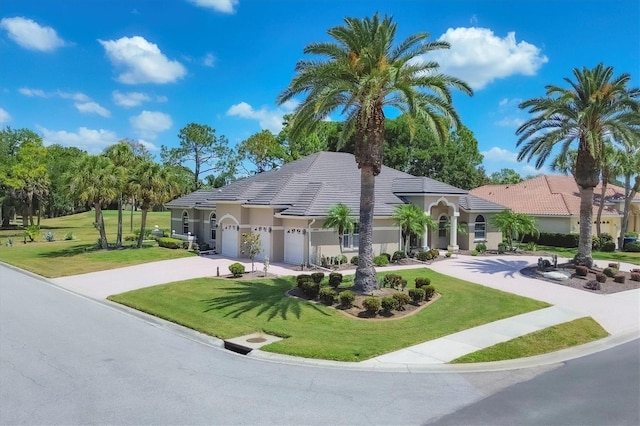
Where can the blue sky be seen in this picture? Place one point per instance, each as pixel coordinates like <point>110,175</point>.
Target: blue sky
<point>88,73</point>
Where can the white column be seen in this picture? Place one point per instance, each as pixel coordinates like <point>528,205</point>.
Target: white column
<point>453,236</point>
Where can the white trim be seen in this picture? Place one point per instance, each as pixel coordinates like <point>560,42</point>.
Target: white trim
<point>228,216</point>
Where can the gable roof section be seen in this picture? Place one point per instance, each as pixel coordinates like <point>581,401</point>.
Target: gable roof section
<point>547,195</point>
<point>423,185</point>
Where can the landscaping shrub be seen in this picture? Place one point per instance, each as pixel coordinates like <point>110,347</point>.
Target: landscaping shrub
<point>621,278</point>
<point>69,236</point>
<point>582,271</point>
<point>317,277</point>
<point>502,247</point>
<point>434,253</point>
<point>596,243</point>
<point>473,252</point>
<point>403,284</point>
<point>32,232</point>
<point>608,246</point>
<point>50,236</point>
<point>387,255</point>
<point>610,272</point>
<point>554,239</point>
<point>531,246</point>
<point>170,243</point>
<point>398,255</point>
<point>447,254</point>
<point>381,260</point>
<point>132,238</point>
<point>601,278</point>
<point>481,248</point>
<point>388,304</point>
<point>371,305</point>
<point>303,278</point>
<point>335,279</point>
<point>416,295</point>
<point>635,276</point>
<point>632,247</point>
<point>327,295</point>
<point>236,269</point>
<point>391,280</point>
<point>310,289</point>
<point>354,260</point>
<point>429,292</point>
<point>346,298</point>
<point>422,281</point>
<point>401,300</point>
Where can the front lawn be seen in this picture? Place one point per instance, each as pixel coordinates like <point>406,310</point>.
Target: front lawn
<point>70,257</point>
<point>232,308</point>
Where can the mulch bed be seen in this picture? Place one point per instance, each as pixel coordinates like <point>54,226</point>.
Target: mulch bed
<point>575,281</point>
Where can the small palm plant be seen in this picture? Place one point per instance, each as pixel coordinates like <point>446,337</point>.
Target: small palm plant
<point>339,218</point>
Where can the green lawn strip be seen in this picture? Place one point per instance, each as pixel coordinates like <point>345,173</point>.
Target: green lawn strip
<point>615,256</point>
<point>62,258</point>
<point>228,308</point>
<point>551,339</point>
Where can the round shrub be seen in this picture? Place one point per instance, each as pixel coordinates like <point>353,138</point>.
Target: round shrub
<point>448,254</point>
<point>391,280</point>
<point>398,255</point>
<point>371,305</point>
<point>310,289</point>
<point>303,278</point>
<point>346,298</point>
<point>582,271</point>
<point>429,292</point>
<point>335,279</point>
<point>381,260</point>
<point>354,260</point>
<point>401,300</point>
<point>387,255</point>
<point>473,252</point>
<point>388,304</point>
<point>422,281</point>
<point>434,253</point>
<point>481,247</point>
<point>236,269</point>
<point>608,246</point>
<point>633,247</point>
<point>423,256</point>
<point>416,295</point>
<point>502,248</point>
<point>601,278</point>
<point>317,277</point>
<point>327,295</point>
<point>610,272</point>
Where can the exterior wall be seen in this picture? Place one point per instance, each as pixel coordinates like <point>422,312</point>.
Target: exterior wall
<point>194,223</point>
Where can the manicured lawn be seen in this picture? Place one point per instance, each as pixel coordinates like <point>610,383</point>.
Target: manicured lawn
<point>616,256</point>
<point>228,308</point>
<point>561,336</point>
<point>77,256</point>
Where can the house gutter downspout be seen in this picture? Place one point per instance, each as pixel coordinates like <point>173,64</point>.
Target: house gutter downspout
<point>309,262</point>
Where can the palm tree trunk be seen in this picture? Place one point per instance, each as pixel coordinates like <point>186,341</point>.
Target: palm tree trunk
<point>119,233</point>
<point>630,193</point>
<point>133,202</point>
<point>603,191</point>
<point>30,207</point>
<point>586,217</point>
<point>143,223</point>
<point>366,279</point>
<point>100,222</point>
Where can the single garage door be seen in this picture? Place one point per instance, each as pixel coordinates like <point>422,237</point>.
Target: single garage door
<point>230,240</point>
<point>265,245</point>
<point>293,247</point>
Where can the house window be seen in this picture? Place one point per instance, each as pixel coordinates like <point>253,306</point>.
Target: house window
<point>351,240</point>
<point>442,226</point>
<point>213,224</point>
<point>185,223</point>
<point>480,229</point>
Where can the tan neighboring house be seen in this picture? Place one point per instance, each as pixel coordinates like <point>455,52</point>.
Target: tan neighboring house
<point>554,200</point>
<point>287,208</point>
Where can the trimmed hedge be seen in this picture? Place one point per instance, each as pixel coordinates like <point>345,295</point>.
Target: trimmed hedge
<point>554,239</point>
<point>632,247</point>
<point>170,243</point>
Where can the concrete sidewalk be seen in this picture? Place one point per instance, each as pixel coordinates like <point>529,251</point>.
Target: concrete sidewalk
<point>618,313</point>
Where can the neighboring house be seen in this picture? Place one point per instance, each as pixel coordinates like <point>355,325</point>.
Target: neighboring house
<point>554,200</point>
<point>287,207</point>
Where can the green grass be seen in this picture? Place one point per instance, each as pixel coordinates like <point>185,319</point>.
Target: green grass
<point>78,256</point>
<point>551,339</point>
<point>228,308</point>
<point>616,256</point>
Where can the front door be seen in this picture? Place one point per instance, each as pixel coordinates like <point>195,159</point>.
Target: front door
<point>443,233</point>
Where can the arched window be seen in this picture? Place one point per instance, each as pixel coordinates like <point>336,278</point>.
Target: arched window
<point>442,226</point>
<point>480,228</point>
<point>213,224</point>
<point>185,223</point>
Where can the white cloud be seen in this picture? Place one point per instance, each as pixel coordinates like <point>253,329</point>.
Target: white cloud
<point>479,57</point>
<point>151,147</point>
<point>30,35</point>
<point>5,117</point>
<point>77,96</point>
<point>90,140</point>
<point>130,99</point>
<point>92,108</point>
<point>510,122</point>
<point>149,123</point>
<point>506,102</point>
<point>142,61</point>
<point>497,154</point>
<point>531,170</point>
<point>224,6</point>
<point>209,60</point>
<point>32,92</point>
<point>268,119</point>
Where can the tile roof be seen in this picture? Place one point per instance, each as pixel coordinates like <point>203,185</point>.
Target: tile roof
<point>313,184</point>
<point>554,195</point>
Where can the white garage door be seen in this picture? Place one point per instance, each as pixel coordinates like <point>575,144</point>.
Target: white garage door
<point>265,245</point>
<point>293,247</point>
<point>230,240</point>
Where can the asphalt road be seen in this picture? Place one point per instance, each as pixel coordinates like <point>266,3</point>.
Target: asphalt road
<point>66,359</point>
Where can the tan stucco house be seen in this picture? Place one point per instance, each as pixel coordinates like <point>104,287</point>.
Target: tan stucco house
<point>287,207</point>
<point>554,200</point>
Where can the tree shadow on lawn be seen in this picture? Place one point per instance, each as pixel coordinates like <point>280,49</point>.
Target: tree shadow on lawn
<point>87,248</point>
<point>266,299</point>
<point>494,266</point>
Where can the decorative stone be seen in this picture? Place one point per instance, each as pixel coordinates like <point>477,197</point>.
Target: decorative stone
<point>556,275</point>
<point>592,285</point>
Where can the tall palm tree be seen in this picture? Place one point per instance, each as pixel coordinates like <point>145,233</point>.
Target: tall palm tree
<point>122,157</point>
<point>94,180</point>
<point>340,219</point>
<point>152,184</point>
<point>411,220</point>
<point>596,105</point>
<point>629,166</point>
<point>360,74</point>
